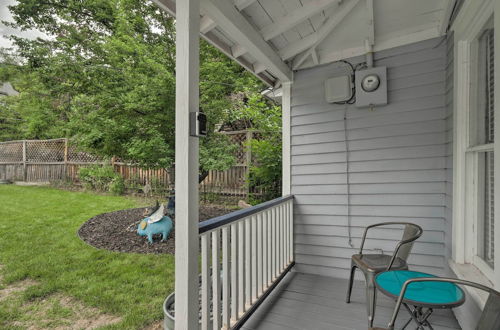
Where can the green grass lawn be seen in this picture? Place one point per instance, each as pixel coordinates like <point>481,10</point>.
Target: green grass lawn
<point>38,241</point>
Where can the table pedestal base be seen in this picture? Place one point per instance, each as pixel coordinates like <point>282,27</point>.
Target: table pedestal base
<point>420,316</point>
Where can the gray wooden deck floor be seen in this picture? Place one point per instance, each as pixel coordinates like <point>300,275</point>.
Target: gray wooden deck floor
<point>312,302</point>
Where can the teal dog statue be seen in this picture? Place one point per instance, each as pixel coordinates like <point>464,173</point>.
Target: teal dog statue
<point>156,223</point>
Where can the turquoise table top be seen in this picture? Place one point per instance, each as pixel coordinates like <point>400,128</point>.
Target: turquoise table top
<point>426,294</point>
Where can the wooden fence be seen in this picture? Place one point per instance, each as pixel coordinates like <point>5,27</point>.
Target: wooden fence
<point>56,160</point>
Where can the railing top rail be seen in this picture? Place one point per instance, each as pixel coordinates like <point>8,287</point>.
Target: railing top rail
<point>226,219</point>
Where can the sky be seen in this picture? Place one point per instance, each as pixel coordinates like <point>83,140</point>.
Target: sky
<point>5,15</point>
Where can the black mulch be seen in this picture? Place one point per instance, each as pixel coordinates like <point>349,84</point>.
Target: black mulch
<point>116,231</point>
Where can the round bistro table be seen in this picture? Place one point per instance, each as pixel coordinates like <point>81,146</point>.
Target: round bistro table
<point>420,298</point>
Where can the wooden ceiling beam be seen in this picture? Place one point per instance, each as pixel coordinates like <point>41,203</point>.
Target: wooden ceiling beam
<point>236,26</point>
<point>296,17</point>
<point>242,4</point>
<point>170,7</point>
<point>207,24</point>
<point>313,40</point>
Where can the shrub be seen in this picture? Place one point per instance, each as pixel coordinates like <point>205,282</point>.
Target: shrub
<point>98,177</point>
<point>265,172</point>
<point>117,186</point>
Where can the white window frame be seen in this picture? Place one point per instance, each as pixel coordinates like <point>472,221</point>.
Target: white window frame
<point>468,28</point>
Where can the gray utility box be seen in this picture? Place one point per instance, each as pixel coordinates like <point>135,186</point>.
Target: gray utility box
<point>371,87</point>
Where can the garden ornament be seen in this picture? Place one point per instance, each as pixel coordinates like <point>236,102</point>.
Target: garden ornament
<point>156,223</point>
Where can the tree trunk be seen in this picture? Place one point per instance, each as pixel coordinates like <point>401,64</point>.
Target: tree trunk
<point>202,176</point>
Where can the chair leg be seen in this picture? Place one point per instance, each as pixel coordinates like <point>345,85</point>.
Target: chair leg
<point>371,297</point>
<point>351,282</point>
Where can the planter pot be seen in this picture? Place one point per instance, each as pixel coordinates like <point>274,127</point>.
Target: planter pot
<point>169,319</point>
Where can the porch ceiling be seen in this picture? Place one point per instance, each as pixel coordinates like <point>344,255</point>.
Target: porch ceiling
<point>270,38</point>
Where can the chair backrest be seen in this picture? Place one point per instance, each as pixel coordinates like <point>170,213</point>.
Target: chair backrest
<point>411,232</point>
<point>490,317</point>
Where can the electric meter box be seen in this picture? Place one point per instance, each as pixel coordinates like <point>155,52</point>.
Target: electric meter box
<point>338,89</point>
<point>371,87</point>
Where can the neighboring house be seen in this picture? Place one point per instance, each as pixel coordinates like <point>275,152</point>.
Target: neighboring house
<point>419,148</point>
<point>7,89</point>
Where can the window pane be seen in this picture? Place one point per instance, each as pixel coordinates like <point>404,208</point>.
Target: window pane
<point>490,87</point>
<point>487,238</point>
<point>482,119</point>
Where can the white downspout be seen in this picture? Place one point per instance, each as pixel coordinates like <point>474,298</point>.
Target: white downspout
<point>369,54</point>
<point>286,137</point>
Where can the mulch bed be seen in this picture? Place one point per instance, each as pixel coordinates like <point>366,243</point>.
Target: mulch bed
<point>116,231</point>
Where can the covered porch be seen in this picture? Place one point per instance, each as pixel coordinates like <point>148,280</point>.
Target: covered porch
<point>349,160</point>
<point>306,301</point>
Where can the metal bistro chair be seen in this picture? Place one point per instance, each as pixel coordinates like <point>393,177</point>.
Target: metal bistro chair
<point>490,317</point>
<point>372,264</point>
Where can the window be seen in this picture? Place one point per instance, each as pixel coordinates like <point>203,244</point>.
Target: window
<point>482,138</point>
<point>486,225</point>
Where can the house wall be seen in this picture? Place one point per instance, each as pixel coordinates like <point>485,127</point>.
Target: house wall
<point>399,163</point>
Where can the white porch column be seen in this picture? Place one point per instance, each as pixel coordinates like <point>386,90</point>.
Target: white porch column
<point>186,165</point>
<point>286,137</point>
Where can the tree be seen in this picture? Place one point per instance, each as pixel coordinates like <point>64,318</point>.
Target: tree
<point>105,77</point>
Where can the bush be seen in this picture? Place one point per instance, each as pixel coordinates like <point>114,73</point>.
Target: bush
<point>117,186</point>
<point>265,172</point>
<point>101,178</point>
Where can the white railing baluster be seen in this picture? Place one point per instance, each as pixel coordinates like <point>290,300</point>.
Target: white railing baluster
<point>259,255</point>
<point>205,282</point>
<point>248,262</point>
<point>285,234</point>
<point>292,256</point>
<point>234,273</point>
<point>264,251</point>
<point>226,279</point>
<point>249,253</point>
<point>269,248</point>
<point>216,288</point>
<point>241,268</point>
<point>275,245</point>
<point>254,258</point>
<point>280,231</point>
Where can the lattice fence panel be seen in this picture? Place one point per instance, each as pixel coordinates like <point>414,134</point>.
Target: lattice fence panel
<point>11,152</point>
<point>240,139</point>
<point>77,156</point>
<point>45,151</point>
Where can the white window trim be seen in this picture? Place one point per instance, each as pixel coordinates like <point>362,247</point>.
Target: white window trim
<point>467,28</point>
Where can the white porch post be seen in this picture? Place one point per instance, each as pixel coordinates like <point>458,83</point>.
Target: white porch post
<point>286,137</point>
<point>186,165</point>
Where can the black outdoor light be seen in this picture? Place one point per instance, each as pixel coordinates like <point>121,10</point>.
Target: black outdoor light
<point>198,124</point>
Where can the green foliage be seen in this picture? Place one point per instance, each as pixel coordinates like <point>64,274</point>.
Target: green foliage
<point>265,118</point>
<point>117,186</point>
<point>265,172</point>
<point>105,77</point>
<point>100,178</point>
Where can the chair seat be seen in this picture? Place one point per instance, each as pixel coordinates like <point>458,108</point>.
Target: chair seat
<point>377,262</point>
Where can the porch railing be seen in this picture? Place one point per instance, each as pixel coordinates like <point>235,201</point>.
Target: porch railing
<point>244,255</point>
